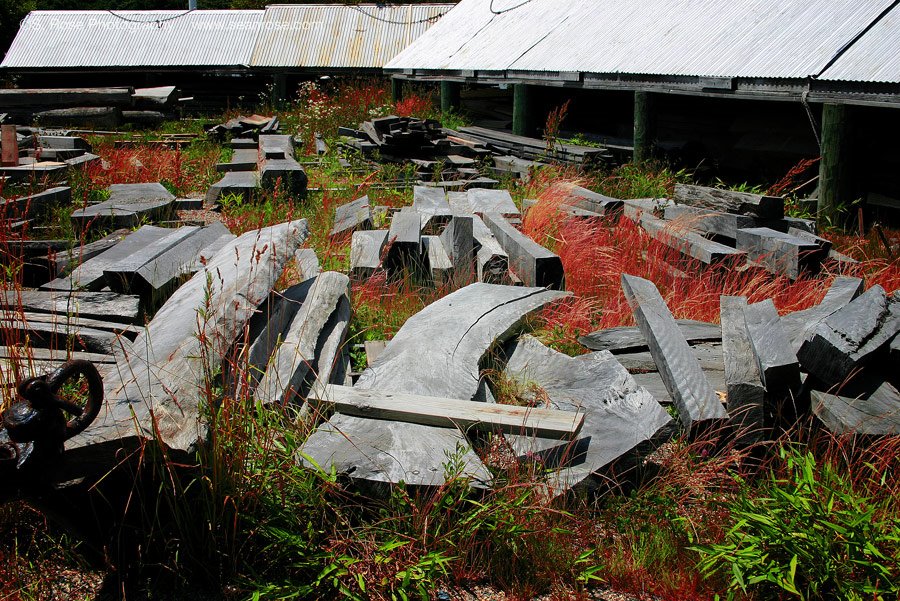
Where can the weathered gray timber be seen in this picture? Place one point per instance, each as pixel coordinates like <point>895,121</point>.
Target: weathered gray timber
<point>356,215</point>
<point>630,339</point>
<point>872,412</point>
<point>89,275</point>
<point>404,239</point>
<point>691,391</point>
<point>155,278</point>
<point>851,336</point>
<point>799,325</point>
<point>823,244</point>
<point>433,205</point>
<point>63,142</point>
<point>459,244</point>
<point>572,195</point>
<point>778,364</point>
<point>285,173</point>
<point>746,392</point>
<point>293,359</point>
<point>128,206</point>
<point>244,184</point>
<point>275,316</point>
<point>688,242</point>
<point>157,97</point>
<point>437,352</point>
<point>491,201</point>
<point>61,97</point>
<point>459,203</point>
<point>573,211</point>
<point>24,355</point>
<point>245,144</point>
<point>439,265</point>
<point>329,367</point>
<point>157,390</point>
<point>96,117</point>
<point>122,276</point>
<point>620,416</point>
<point>491,261</point>
<point>708,354</point>
<point>531,262</point>
<point>895,350</point>
<point>785,224</point>
<point>450,413</point>
<point>742,203</point>
<point>366,248</point>
<point>64,263</point>
<point>709,221</point>
<point>129,331</point>
<point>41,202</point>
<point>275,146</point>
<point>307,263</point>
<point>57,335</point>
<point>88,305</point>
<point>779,253</point>
<point>243,159</point>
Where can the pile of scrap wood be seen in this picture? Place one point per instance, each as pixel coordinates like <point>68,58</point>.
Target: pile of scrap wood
<point>266,160</point>
<point>243,127</point>
<point>33,154</point>
<point>445,155</point>
<point>96,108</point>
<point>449,237</point>
<point>714,227</point>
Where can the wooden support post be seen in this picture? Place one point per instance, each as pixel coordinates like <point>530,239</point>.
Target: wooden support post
<point>396,89</point>
<point>832,168</point>
<point>10,146</point>
<point>644,127</point>
<point>450,96</point>
<point>279,88</point>
<point>523,109</point>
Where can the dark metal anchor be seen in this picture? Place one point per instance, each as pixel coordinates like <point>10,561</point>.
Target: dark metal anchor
<point>35,425</point>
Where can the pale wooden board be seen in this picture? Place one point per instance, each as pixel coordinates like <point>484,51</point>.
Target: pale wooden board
<point>450,413</point>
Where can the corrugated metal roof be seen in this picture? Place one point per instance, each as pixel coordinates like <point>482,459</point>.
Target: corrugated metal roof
<point>71,39</point>
<point>875,57</point>
<point>338,35</point>
<point>706,38</point>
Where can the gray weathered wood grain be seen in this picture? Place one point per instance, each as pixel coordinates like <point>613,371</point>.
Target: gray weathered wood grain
<point>780,253</point>
<point>90,305</point>
<point>851,336</point>
<point>742,203</point>
<point>459,243</point>
<point>873,412</point>
<point>778,364</point>
<point>746,392</point>
<point>688,242</point>
<point>799,325</point>
<point>437,352</point>
<point>482,201</point>
<point>352,216</point>
<point>366,249</point>
<point>709,221</point>
<point>294,357</point>
<point>691,391</point>
<point>157,390</point>
<point>620,416</point>
<point>531,262</point>
<point>630,339</point>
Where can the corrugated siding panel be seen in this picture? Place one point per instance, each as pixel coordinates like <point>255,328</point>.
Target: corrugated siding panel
<point>72,39</point>
<point>874,57</point>
<point>742,38</point>
<point>340,36</point>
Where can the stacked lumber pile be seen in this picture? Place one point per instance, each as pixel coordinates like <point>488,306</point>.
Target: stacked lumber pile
<point>456,159</point>
<point>31,154</point>
<point>457,237</point>
<point>243,127</point>
<point>95,108</point>
<point>716,227</point>
<point>831,361</point>
<point>266,161</point>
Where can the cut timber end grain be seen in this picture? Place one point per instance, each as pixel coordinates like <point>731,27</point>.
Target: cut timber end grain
<point>531,262</point>
<point>777,363</point>
<point>696,401</point>
<point>851,336</point>
<point>746,393</point>
<point>352,216</point>
<point>741,203</point>
<point>366,248</point>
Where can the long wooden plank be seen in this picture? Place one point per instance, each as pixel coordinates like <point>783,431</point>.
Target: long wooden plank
<point>694,397</point>
<point>688,242</point>
<point>451,413</point>
<point>778,364</point>
<point>90,305</point>
<point>779,253</point>
<point>874,412</point>
<point>629,339</point>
